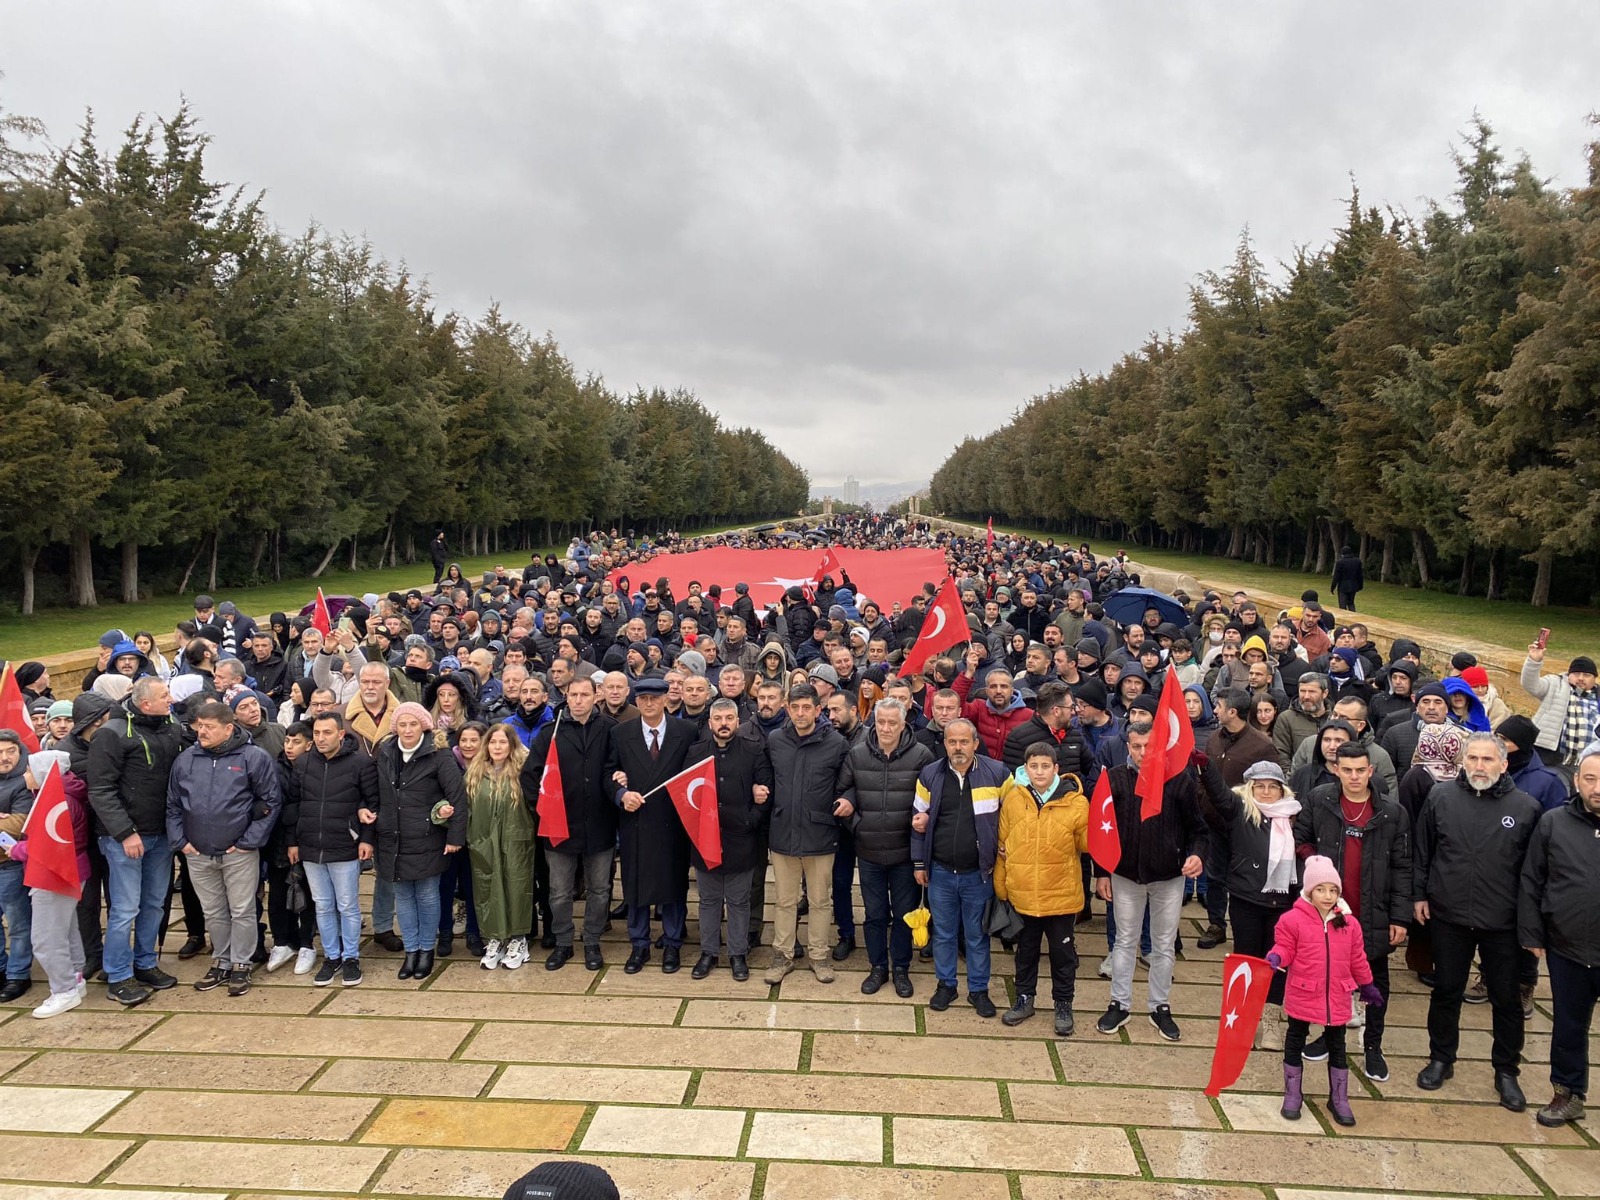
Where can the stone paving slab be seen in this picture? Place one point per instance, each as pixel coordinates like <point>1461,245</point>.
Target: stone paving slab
<point>55,1110</point>
<point>269,1165</point>
<point>485,1175</point>
<point>493,1124</point>
<point>797,1181</point>
<point>57,1159</point>
<point>230,1114</point>
<point>183,1071</point>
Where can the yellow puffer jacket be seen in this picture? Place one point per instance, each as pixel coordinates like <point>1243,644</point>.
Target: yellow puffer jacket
<point>1037,867</point>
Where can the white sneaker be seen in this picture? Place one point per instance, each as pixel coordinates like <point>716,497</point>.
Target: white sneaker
<point>279,956</point>
<point>304,960</point>
<point>82,987</point>
<point>58,1003</point>
<point>516,954</point>
<point>491,955</point>
<point>458,922</point>
<point>1105,967</point>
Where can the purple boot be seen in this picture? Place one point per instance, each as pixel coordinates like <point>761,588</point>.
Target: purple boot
<point>1339,1096</point>
<point>1291,1092</point>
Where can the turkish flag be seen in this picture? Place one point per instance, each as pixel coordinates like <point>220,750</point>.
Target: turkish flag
<point>1105,843</point>
<point>945,625</point>
<point>320,620</point>
<point>551,808</point>
<point>988,543</point>
<point>1244,995</point>
<point>828,566</point>
<point>52,857</point>
<point>1169,749</point>
<point>14,711</point>
<point>694,794</point>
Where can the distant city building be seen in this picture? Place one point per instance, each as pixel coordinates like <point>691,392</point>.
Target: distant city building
<point>852,490</point>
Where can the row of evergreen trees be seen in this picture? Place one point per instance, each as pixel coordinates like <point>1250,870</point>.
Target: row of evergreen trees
<point>185,391</point>
<point>1423,388</point>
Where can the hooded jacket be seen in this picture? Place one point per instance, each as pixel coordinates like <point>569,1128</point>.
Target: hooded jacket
<point>1293,726</point>
<point>322,799</point>
<point>1073,756</point>
<point>882,788</point>
<point>1386,871</point>
<point>1326,963</point>
<point>129,761</point>
<point>1476,719</point>
<point>993,724</point>
<point>222,798</point>
<point>1040,843</point>
<point>1556,909</point>
<point>1470,847</point>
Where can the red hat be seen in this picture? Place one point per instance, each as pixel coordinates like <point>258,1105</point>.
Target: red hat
<point>1475,677</point>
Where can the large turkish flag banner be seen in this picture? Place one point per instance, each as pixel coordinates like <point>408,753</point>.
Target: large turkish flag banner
<point>882,576</point>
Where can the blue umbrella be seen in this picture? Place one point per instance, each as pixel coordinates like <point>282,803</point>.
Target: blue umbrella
<point>1127,606</point>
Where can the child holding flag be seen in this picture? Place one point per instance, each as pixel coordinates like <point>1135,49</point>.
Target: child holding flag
<point>1324,952</point>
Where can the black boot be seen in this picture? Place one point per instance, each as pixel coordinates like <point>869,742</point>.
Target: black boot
<point>408,965</point>
<point>424,966</point>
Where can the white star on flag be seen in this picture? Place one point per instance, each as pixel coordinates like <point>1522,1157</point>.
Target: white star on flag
<point>1233,1017</point>
<point>1105,827</point>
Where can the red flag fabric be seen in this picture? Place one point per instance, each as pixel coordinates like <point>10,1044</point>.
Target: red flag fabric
<point>1170,747</point>
<point>52,857</point>
<point>320,620</point>
<point>944,626</point>
<point>551,807</point>
<point>989,541</point>
<point>1244,995</point>
<point>14,711</point>
<point>694,794</point>
<point>881,575</point>
<point>1105,843</point>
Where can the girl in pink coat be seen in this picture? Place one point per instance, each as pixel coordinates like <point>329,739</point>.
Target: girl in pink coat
<point>1320,945</point>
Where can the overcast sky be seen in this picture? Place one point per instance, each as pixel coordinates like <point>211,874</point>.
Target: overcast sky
<point>867,229</point>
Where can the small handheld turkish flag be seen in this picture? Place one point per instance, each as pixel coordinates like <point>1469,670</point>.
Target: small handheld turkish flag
<point>14,711</point>
<point>320,620</point>
<point>1105,842</point>
<point>1244,995</point>
<point>551,807</point>
<point>943,627</point>
<point>52,862</point>
<point>694,795</point>
<point>1169,749</point>
<point>988,543</point>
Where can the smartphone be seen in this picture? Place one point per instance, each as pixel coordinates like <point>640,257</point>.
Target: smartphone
<point>1544,639</point>
<point>7,841</point>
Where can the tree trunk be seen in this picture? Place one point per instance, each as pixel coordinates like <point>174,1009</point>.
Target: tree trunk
<point>277,553</point>
<point>388,541</point>
<point>326,559</point>
<point>1464,587</point>
<point>1386,568</point>
<point>1541,582</point>
<point>1310,556</point>
<point>258,551</point>
<point>411,546</point>
<point>30,559</point>
<point>1366,547</point>
<point>183,584</point>
<point>81,585</point>
<point>130,572</point>
<point>352,552</point>
<point>216,536</point>
<point>1325,550</point>
<point>1419,553</point>
<point>1496,588</point>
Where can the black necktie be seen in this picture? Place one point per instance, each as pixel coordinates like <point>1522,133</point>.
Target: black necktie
<point>655,745</point>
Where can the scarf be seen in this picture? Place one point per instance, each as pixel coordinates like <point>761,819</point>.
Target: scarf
<point>1582,711</point>
<point>1280,846</point>
<point>1437,748</point>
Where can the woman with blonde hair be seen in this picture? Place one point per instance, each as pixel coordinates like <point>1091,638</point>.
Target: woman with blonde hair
<point>500,832</point>
<point>1258,818</point>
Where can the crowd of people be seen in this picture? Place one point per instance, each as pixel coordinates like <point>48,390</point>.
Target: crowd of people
<point>1342,802</point>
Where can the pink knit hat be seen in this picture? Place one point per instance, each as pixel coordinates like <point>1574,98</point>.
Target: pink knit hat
<point>1319,869</point>
<point>412,709</point>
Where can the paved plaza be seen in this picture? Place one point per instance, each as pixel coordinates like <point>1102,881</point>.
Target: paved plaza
<point>727,1091</point>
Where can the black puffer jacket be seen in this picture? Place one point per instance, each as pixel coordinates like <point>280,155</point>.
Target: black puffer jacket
<point>1072,751</point>
<point>1557,911</point>
<point>1470,850</point>
<point>882,788</point>
<point>1243,846</point>
<point>1385,858</point>
<point>410,845</point>
<point>323,798</point>
<point>130,761</point>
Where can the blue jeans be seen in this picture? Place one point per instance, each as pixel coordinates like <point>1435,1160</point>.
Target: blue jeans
<point>957,899</point>
<point>887,895</point>
<point>16,910</point>
<point>137,890</point>
<point>336,888</point>
<point>416,903</point>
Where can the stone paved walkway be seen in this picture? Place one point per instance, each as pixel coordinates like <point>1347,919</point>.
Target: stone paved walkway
<point>725,1091</point>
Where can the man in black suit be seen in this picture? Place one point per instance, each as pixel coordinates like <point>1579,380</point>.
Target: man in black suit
<point>646,752</point>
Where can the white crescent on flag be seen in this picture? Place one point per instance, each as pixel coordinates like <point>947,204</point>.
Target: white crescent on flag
<point>1244,969</point>
<point>1173,731</point>
<point>1105,807</point>
<point>938,626</point>
<point>689,793</point>
<point>50,820</point>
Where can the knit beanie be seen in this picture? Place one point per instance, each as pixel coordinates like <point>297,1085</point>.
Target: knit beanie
<point>1319,869</point>
<point>28,673</point>
<point>1475,677</point>
<point>412,709</point>
<point>1520,731</point>
<point>564,1180</point>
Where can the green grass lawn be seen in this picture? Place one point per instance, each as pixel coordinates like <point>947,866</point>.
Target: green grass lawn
<point>1503,623</point>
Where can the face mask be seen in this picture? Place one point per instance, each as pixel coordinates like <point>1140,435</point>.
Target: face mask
<point>1214,636</point>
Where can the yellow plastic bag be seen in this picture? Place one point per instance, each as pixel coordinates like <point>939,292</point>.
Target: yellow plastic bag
<point>917,919</point>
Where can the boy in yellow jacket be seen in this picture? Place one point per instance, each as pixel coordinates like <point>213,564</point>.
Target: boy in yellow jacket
<point>1044,827</point>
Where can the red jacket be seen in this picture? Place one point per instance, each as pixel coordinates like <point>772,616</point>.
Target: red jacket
<point>1325,964</point>
<point>992,726</point>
